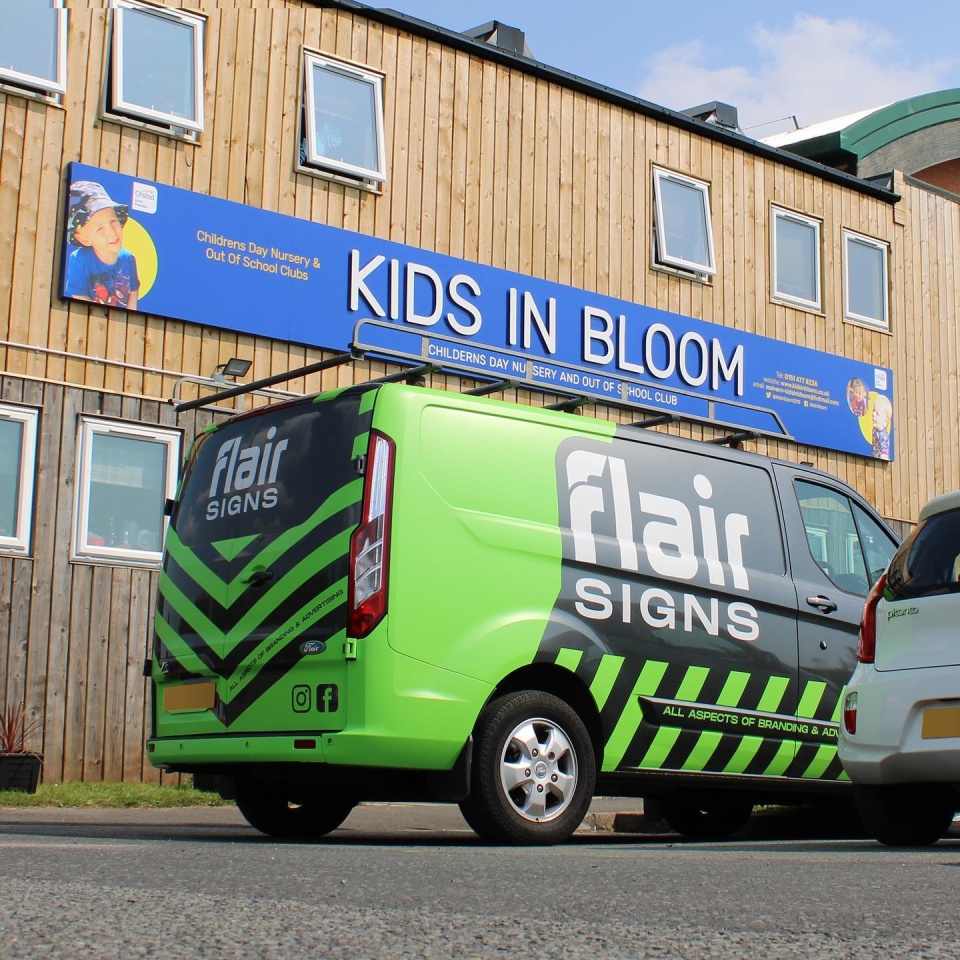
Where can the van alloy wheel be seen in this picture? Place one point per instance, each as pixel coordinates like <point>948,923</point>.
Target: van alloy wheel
<point>533,772</point>
<point>538,770</point>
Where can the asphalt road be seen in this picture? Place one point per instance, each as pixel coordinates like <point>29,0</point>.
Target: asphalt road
<point>412,882</point>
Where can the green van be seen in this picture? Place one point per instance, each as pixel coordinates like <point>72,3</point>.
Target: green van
<point>388,592</point>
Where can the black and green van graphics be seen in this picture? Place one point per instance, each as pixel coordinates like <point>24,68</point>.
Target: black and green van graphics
<point>657,572</point>
<point>254,584</point>
<point>674,575</point>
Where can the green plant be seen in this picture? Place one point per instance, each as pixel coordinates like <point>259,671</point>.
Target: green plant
<point>15,728</point>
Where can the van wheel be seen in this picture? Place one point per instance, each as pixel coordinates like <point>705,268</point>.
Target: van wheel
<point>274,814</point>
<point>706,816</point>
<point>906,815</point>
<point>533,770</point>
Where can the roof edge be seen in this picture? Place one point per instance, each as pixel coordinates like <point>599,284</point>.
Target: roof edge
<point>431,31</point>
<point>899,119</point>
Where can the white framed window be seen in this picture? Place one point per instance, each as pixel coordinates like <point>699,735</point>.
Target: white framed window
<point>156,65</point>
<point>343,119</point>
<point>18,458</point>
<point>865,297</point>
<point>33,45</point>
<point>817,541</point>
<point>795,259</point>
<point>684,232</point>
<point>125,473</point>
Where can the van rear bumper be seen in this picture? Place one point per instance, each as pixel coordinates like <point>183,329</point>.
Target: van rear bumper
<point>344,748</point>
<point>217,763</point>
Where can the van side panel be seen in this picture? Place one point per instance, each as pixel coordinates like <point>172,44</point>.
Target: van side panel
<point>674,570</point>
<point>476,526</point>
<point>657,575</point>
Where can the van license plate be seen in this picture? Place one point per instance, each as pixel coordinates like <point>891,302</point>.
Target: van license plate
<point>940,722</point>
<point>190,696</point>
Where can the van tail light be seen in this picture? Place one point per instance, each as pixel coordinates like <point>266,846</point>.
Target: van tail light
<point>369,545</point>
<point>850,712</point>
<point>867,644</point>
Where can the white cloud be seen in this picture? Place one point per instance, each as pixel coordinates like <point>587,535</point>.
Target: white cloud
<point>816,70</point>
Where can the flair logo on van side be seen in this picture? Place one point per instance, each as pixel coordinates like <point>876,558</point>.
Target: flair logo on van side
<point>244,477</point>
<point>680,539</point>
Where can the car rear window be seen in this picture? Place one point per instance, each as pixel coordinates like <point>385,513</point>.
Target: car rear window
<point>928,561</point>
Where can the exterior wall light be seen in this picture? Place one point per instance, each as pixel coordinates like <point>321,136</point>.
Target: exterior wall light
<point>232,369</point>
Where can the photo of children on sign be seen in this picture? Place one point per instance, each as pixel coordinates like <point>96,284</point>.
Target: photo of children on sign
<point>109,258</point>
<point>874,411</point>
<point>99,268</point>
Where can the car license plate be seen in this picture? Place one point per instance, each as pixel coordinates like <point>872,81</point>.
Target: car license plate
<point>940,722</point>
<point>190,696</point>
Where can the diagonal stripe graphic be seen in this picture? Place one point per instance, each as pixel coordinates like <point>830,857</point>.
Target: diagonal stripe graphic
<point>218,588</point>
<point>810,701</point>
<point>623,733</point>
<point>605,678</point>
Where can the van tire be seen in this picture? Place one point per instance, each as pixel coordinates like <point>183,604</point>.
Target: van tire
<point>272,813</point>
<point>533,770</point>
<point>906,815</point>
<point>706,816</point>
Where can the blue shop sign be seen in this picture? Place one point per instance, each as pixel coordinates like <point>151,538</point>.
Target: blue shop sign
<point>135,244</point>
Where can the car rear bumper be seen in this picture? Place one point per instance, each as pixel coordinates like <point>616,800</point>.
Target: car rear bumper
<point>908,726</point>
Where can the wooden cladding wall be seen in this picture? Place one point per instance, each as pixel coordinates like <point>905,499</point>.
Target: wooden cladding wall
<point>926,358</point>
<point>73,636</point>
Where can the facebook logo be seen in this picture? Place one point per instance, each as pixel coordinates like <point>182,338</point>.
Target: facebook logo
<point>328,698</point>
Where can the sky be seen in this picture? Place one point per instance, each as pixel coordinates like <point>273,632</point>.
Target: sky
<point>775,61</point>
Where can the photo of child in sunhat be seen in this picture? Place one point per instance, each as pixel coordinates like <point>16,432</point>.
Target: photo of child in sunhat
<point>100,269</point>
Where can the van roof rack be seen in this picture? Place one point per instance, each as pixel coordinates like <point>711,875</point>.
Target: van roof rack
<point>416,367</point>
<point>734,439</point>
<point>494,386</point>
<point>414,376</point>
<point>656,421</point>
<point>569,404</point>
<point>335,361</point>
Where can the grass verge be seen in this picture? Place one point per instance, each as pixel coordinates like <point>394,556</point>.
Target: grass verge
<point>110,795</point>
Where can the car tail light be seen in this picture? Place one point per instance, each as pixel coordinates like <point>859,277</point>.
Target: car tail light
<point>850,712</point>
<point>369,543</point>
<point>867,644</point>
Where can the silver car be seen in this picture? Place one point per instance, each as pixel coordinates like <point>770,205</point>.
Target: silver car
<point>900,735</point>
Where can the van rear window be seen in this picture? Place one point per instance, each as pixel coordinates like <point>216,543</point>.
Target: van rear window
<point>265,474</point>
<point>928,562</point>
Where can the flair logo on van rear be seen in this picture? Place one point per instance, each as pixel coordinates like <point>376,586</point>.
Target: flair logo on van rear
<point>244,477</point>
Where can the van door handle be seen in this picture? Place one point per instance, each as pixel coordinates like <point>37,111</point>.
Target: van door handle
<point>259,577</point>
<point>822,603</point>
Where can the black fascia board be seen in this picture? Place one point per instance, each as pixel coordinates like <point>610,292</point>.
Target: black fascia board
<point>479,48</point>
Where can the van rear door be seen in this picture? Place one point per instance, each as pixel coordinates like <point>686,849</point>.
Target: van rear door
<point>252,606</point>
